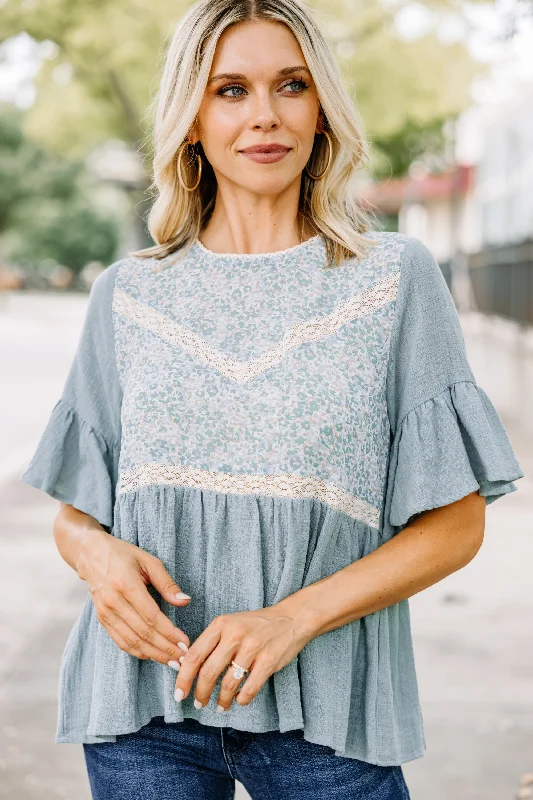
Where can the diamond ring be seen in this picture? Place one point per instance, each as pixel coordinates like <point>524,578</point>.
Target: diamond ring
<point>238,671</point>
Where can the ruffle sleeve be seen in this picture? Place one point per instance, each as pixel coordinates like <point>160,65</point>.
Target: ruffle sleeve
<point>447,447</point>
<point>76,459</point>
<point>73,463</point>
<point>447,439</point>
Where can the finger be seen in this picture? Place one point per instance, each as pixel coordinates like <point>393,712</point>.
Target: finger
<point>194,658</point>
<point>117,638</point>
<point>130,641</point>
<point>209,673</point>
<point>259,674</point>
<point>172,650</point>
<point>162,581</point>
<point>144,604</point>
<point>230,683</point>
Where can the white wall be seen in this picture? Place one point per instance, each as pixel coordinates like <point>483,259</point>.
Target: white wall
<point>504,185</point>
<point>432,223</point>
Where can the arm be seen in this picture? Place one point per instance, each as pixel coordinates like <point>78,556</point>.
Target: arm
<point>72,531</point>
<point>434,545</point>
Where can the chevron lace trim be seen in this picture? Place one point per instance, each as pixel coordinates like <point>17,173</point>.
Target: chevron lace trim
<point>243,371</point>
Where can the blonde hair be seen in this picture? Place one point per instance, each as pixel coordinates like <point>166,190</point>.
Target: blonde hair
<point>330,206</point>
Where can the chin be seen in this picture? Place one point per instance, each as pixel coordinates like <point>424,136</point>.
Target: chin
<point>266,184</point>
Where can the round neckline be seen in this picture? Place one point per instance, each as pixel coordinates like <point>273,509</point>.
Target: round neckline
<point>270,254</point>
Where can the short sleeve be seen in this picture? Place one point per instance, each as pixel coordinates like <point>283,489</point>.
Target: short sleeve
<point>76,459</point>
<point>447,439</point>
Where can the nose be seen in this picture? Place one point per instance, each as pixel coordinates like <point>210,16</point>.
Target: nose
<point>264,116</point>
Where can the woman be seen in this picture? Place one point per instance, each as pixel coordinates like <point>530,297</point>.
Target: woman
<point>272,411</point>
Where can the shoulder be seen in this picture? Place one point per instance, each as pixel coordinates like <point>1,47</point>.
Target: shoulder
<point>404,259</point>
<point>408,250</point>
<point>108,278</point>
<point>420,277</point>
<point>389,252</point>
<point>120,272</point>
<point>424,307</point>
<point>99,314</point>
<point>380,261</point>
<point>143,278</point>
<point>418,261</point>
<point>102,288</point>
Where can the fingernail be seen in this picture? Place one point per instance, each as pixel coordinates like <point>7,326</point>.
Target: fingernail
<point>179,695</point>
<point>183,646</point>
<point>180,659</point>
<point>175,665</point>
<point>197,703</point>
<point>220,709</point>
<point>182,596</point>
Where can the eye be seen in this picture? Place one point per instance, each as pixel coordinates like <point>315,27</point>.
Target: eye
<point>232,88</point>
<point>299,83</point>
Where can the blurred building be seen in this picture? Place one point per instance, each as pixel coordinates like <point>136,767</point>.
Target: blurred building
<point>477,218</point>
<point>501,271</point>
<point>505,173</point>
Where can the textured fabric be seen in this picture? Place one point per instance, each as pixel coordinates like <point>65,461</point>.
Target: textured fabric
<point>275,419</point>
<point>205,763</point>
<point>76,460</point>
<point>449,445</point>
<point>75,464</point>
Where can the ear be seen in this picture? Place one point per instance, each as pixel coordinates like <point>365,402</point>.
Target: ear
<point>194,132</point>
<point>320,122</point>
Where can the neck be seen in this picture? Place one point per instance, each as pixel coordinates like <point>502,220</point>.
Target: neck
<point>246,222</point>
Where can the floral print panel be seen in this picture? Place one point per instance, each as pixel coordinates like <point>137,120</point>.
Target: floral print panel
<point>259,373</point>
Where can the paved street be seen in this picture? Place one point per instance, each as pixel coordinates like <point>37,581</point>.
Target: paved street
<point>472,631</point>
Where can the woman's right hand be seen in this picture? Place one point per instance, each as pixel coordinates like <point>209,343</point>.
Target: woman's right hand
<point>117,574</point>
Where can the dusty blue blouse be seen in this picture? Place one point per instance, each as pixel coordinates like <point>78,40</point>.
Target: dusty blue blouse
<point>258,422</point>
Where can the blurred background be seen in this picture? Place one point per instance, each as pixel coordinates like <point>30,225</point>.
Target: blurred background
<point>445,90</point>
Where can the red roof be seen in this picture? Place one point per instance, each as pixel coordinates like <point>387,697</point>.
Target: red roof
<point>391,194</point>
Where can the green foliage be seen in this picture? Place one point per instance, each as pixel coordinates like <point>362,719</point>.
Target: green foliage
<point>48,204</point>
<point>104,70</point>
<point>393,154</point>
<point>405,90</point>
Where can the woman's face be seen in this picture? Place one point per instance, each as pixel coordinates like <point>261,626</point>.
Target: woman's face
<point>260,109</point>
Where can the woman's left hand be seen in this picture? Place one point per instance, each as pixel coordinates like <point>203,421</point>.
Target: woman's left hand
<point>262,641</point>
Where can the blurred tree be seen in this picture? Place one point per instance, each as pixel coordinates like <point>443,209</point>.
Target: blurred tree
<point>48,207</point>
<point>406,89</point>
<point>105,60</point>
<point>98,78</point>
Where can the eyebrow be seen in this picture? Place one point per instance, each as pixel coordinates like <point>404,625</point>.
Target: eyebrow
<point>236,76</point>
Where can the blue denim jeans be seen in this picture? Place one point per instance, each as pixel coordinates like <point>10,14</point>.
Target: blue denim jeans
<point>189,761</point>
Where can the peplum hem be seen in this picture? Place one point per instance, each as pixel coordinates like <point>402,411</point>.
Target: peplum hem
<point>447,447</point>
<point>353,689</point>
<point>74,464</point>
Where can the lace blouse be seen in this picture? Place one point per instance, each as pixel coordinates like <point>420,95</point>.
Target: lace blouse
<point>258,422</point>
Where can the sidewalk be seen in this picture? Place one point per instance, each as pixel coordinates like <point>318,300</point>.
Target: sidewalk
<point>472,631</point>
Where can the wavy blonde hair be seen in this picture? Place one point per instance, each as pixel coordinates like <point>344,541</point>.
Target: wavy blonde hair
<point>330,206</point>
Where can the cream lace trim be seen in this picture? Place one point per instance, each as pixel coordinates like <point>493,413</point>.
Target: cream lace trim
<point>243,371</point>
<point>281,485</point>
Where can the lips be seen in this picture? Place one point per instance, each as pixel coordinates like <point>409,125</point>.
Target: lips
<point>266,148</point>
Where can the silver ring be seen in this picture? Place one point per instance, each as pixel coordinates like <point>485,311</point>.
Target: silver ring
<point>238,671</point>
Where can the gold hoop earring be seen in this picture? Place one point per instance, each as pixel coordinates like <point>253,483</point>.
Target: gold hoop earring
<point>199,167</point>
<point>330,154</point>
